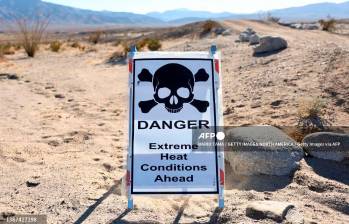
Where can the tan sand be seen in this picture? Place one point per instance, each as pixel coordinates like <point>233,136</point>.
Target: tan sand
<point>64,124</point>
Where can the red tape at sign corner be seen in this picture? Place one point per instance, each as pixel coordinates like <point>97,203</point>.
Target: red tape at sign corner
<point>216,65</point>
<point>128,178</point>
<point>221,175</point>
<point>130,66</point>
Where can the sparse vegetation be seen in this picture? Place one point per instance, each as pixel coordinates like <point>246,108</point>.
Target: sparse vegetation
<point>154,44</point>
<point>208,26</point>
<point>328,25</point>
<point>126,49</point>
<point>95,37</point>
<point>310,114</point>
<point>116,43</point>
<point>272,19</point>
<point>6,49</point>
<point>142,43</point>
<point>30,33</point>
<point>55,46</point>
<point>117,58</point>
<point>76,44</point>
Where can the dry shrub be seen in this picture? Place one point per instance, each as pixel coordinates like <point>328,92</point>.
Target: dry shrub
<point>117,58</point>
<point>55,46</point>
<point>153,44</point>
<point>310,119</point>
<point>142,43</point>
<point>116,43</point>
<point>208,26</point>
<point>328,25</point>
<point>126,48</point>
<point>7,49</point>
<point>30,33</point>
<point>272,19</point>
<point>77,45</point>
<point>310,114</point>
<point>95,37</point>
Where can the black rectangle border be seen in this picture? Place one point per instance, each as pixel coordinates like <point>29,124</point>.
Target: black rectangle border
<point>215,125</point>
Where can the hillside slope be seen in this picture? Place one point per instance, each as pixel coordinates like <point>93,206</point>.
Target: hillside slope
<point>58,14</point>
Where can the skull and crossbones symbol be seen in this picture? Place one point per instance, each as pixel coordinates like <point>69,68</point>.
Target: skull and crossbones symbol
<point>173,86</point>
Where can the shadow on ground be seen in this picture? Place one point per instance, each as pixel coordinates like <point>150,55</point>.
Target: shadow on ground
<point>259,183</point>
<point>338,171</point>
<point>113,189</point>
<point>215,217</point>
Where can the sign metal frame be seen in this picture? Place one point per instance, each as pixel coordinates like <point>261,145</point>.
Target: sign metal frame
<point>215,57</point>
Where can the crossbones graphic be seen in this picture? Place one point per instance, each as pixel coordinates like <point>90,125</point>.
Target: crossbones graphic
<point>173,86</point>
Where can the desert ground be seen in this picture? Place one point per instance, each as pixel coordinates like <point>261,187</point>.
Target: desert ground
<point>63,127</point>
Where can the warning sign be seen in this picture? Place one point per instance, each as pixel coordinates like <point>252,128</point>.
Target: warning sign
<point>171,95</point>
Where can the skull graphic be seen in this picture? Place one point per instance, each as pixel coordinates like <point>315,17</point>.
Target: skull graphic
<point>173,86</point>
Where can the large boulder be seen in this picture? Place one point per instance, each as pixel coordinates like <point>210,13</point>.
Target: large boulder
<point>269,151</point>
<point>246,35</point>
<point>327,145</point>
<point>268,44</point>
<point>254,39</point>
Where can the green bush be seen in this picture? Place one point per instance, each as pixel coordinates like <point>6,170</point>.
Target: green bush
<point>154,44</point>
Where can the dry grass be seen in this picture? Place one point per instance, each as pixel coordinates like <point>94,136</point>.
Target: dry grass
<point>7,49</point>
<point>56,46</point>
<point>95,37</point>
<point>272,19</point>
<point>328,25</point>
<point>117,58</point>
<point>30,33</point>
<point>209,25</point>
<point>77,45</point>
<point>310,114</point>
<point>126,48</point>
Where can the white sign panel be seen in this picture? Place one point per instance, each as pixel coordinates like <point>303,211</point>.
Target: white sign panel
<point>172,94</point>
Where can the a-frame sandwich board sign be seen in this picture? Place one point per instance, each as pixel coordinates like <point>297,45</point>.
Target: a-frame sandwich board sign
<point>171,94</point>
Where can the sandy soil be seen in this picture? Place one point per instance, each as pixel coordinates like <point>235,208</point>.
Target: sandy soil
<point>63,123</point>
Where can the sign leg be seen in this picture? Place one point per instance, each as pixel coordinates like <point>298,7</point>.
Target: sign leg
<point>130,203</point>
<point>221,202</point>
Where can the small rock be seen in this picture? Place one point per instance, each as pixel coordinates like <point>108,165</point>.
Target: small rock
<point>6,215</point>
<point>12,76</point>
<point>293,216</point>
<point>53,143</point>
<point>8,76</point>
<point>219,30</point>
<point>276,103</point>
<point>268,44</point>
<point>256,104</point>
<point>274,210</point>
<point>59,96</point>
<point>246,35</point>
<point>226,32</point>
<point>108,167</point>
<point>32,183</point>
<point>327,145</point>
